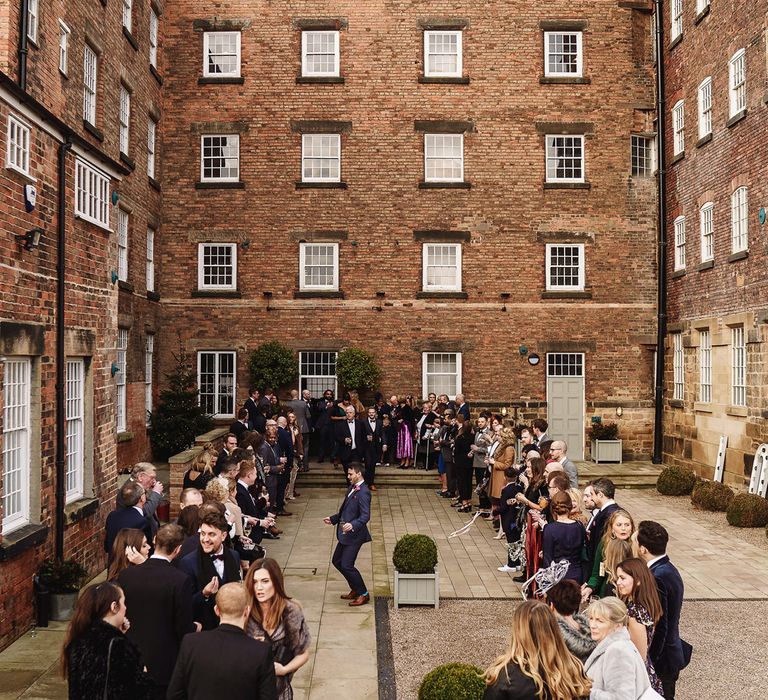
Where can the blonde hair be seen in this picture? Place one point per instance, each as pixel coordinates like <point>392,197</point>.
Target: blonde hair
<point>204,461</point>
<point>217,490</point>
<point>615,550</point>
<point>537,648</point>
<point>611,609</point>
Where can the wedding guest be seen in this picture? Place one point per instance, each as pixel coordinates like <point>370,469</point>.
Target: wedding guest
<point>277,619</point>
<point>130,548</point>
<point>404,418</point>
<point>503,456</point>
<point>564,598</point>
<point>614,547</point>
<point>462,460</point>
<point>533,501</point>
<point>564,539</point>
<point>536,663</point>
<point>190,497</point>
<point>201,471</point>
<point>615,666</point>
<point>388,440</point>
<point>97,659</point>
<point>508,508</point>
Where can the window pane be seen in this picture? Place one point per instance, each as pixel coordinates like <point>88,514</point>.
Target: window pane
<point>565,158</point>
<point>221,157</point>
<point>444,157</point>
<point>321,157</point>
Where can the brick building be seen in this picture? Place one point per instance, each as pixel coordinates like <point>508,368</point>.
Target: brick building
<point>716,134</point>
<point>77,94</point>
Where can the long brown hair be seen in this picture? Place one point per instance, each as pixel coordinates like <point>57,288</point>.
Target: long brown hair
<point>644,591</point>
<point>537,648</point>
<point>614,549</point>
<point>127,537</point>
<point>538,464</point>
<point>274,613</point>
<point>94,603</point>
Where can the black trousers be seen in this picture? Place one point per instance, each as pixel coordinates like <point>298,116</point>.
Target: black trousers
<point>282,484</point>
<point>450,475</point>
<point>668,683</point>
<point>480,473</point>
<point>464,480</point>
<point>344,557</point>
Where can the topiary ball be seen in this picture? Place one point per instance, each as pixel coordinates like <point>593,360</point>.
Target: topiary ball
<point>453,681</point>
<point>711,495</point>
<point>676,481</point>
<point>747,510</point>
<point>415,554</point>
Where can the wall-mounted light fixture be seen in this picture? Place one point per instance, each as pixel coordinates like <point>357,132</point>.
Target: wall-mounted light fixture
<point>268,297</point>
<point>504,297</point>
<point>523,349</point>
<point>113,276</point>
<point>114,369</point>
<point>380,298</point>
<point>619,411</point>
<point>244,245</point>
<point>30,239</point>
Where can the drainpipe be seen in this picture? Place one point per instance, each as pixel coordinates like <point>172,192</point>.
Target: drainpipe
<point>661,301</point>
<point>61,491</point>
<point>23,49</point>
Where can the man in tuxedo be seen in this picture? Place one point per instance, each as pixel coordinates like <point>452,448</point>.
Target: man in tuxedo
<point>479,450</point>
<point>352,533</point>
<point>350,440</point>
<point>372,431</point>
<point>425,422</point>
<point>129,515</point>
<point>230,445</point>
<point>559,451</point>
<point>145,474</point>
<point>285,440</point>
<point>160,597</point>
<point>324,425</point>
<point>240,426</point>
<point>274,464</point>
<point>302,409</point>
<point>257,517</point>
<point>540,427</point>
<point>601,493</point>
<point>252,406</point>
<point>669,653</point>
<point>210,567</point>
<point>225,662</point>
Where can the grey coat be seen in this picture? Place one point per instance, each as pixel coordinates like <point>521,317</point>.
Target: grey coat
<point>616,668</point>
<point>303,415</point>
<point>579,642</point>
<point>571,472</point>
<point>482,440</point>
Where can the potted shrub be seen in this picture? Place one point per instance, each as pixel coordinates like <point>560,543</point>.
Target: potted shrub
<point>453,681</point>
<point>606,445</point>
<point>416,577</point>
<point>711,495</point>
<point>63,579</point>
<point>747,510</point>
<point>676,481</point>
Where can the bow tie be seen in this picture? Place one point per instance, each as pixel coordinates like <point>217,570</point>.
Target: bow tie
<point>215,557</point>
<point>350,422</point>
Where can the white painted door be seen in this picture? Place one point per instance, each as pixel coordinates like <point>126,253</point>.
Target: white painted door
<point>565,400</point>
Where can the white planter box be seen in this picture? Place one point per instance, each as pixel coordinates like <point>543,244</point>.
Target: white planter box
<point>606,451</point>
<point>417,589</point>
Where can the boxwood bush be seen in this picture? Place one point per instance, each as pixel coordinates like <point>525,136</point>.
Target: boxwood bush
<point>747,510</point>
<point>711,495</point>
<point>415,554</point>
<point>676,481</point>
<point>453,681</point>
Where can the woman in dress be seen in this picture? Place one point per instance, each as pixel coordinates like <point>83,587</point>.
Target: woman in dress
<point>564,598</point>
<point>564,539</point>
<point>614,547</point>
<point>129,548</point>
<point>536,664</point>
<point>201,471</point>
<point>277,619</point>
<point>503,456</point>
<point>533,500</point>
<point>298,451</point>
<point>404,418</point>
<point>97,658</point>
<point>462,461</point>
<point>637,588</point>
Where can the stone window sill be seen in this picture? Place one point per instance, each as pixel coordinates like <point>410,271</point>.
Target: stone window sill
<point>563,80</point>
<point>154,184</point>
<point>567,185</point>
<point>125,286</point>
<point>445,185</point>
<point>156,75</point>
<point>21,540</point>
<point>127,34</point>
<point>677,274</point>
<point>445,80</point>
<point>701,15</point>
<point>741,255</point>
<point>676,403</point>
<point>675,41</point>
<point>704,140</point>
<point>93,131</point>
<point>240,185</point>
<point>565,294</point>
<point>81,509</point>
<point>318,294</point>
<point>321,185</point>
<point>223,80</point>
<point>677,158</point>
<point>441,295</point>
<point>736,118</point>
<point>739,411</point>
<point>129,163</point>
<point>153,296</point>
<point>319,80</point>
<point>216,294</point>
<point>706,265</point>
<point>701,407</point>
<point>125,436</point>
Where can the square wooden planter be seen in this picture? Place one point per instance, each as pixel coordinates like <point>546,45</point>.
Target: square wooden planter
<point>606,451</point>
<point>417,589</point>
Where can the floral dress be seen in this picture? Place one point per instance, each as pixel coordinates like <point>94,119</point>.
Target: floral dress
<point>640,614</point>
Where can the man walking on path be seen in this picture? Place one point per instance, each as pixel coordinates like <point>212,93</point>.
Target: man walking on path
<point>352,532</point>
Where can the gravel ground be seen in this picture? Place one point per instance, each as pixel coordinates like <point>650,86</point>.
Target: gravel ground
<point>728,639</point>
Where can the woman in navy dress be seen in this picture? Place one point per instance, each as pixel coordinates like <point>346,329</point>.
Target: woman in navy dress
<point>564,538</point>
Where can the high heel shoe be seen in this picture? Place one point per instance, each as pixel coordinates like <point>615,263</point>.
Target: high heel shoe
<point>500,536</point>
<point>464,509</point>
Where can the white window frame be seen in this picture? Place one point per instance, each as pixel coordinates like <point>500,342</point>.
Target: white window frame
<point>701,5</point>
<point>705,366</point>
<point>676,19</point>
<point>305,140</point>
<point>33,20</point>
<point>123,227</point>
<point>425,375</point>
<point>737,83</point>
<point>318,383</point>
<point>429,145</point>
<point>646,145</point>
<point>91,194</point>
<point>149,356</point>
<point>428,34</point>
<point>201,266</point>
<point>679,227</point>
<point>304,285</point>
<point>150,256</point>
<point>551,156</point>
<point>128,14</point>
<point>232,140</point>
<point>151,147</point>
<point>90,83</point>
<point>740,219</point>
<point>74,476</point>
<point>550,70</point>
<point>705,107</point>
<point>17,434</point>
<point>217,395</point>
<point>154,22</point>
<point>579,247</point>
<point>125,118</point>
<point>235,72</point>
<point>707,229</point>
<point>18,140</point>
<point>678,367</point>
<point>429,248</point>
<point>738,366</point>
<point>678,128</point>
<point>64,32</point>
<point>120,380</point>
<point>306,69</point>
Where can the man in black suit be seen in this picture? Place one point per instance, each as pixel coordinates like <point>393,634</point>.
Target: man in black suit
<point>160,597</point>
<point>225,662</point>
<point>352,533</point>
<point>240,426</point>
<point>302,409</point>
<point>285,440</point>
<point>210,567</point>
<point>425,422</point>
<point>252,406</point>
<point>669,653</point>
<point>350,439</point>
<point>324,425</point>
<point>145,474</point>
<point>372,430</point>
<point>249,505</point>
<point>600,492</point>
<point>129,515</point>
<point>230,445</point>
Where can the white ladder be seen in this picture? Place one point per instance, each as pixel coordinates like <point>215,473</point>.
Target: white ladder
<point>759,482</point>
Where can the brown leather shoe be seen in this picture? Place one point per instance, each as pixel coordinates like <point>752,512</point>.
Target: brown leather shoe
<point>372,488</point>
<point>284,512</point>
<point>274,530</point>
<point>348,596</point>
<point>360,600</point>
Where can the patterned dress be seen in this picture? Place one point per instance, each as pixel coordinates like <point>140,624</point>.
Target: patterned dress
<point>640,614</point>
